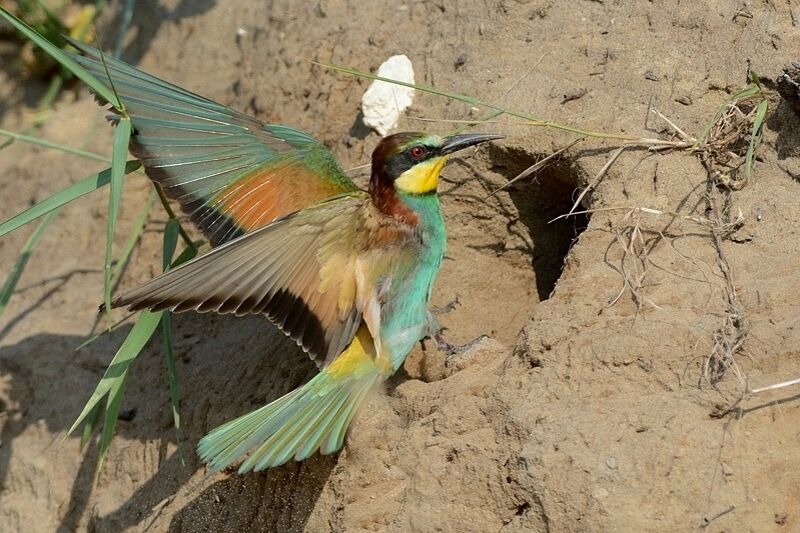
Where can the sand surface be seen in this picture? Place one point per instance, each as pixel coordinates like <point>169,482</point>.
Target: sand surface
<point>584,410</point>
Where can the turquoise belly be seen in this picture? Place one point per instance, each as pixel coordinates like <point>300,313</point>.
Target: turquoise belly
<point>404,316</point>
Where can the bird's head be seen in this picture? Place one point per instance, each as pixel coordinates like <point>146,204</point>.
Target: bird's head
<point>410,163</point>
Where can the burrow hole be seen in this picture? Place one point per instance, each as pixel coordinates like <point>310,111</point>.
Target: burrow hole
<point>539,199</point>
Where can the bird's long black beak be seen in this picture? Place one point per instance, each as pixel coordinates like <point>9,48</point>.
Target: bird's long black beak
<point>459,142</point>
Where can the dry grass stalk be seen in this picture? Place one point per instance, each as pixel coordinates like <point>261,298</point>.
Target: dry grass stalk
<point>534,168</point>
<point>599,176</point>
<point>719,154</point>
<point>722,148</point>
<point>639,235</point>
<point>775,386</point>
<point>633,264</point>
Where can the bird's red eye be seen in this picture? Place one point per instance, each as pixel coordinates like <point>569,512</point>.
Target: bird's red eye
<point>417,152</point>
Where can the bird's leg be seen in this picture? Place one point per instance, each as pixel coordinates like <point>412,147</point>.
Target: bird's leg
<point>435,333</point>
<point>455,349</point>
<point>435,329</point>
<point>450,306</point>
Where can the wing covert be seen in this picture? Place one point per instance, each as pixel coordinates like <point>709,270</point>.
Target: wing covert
<point>302,271</point>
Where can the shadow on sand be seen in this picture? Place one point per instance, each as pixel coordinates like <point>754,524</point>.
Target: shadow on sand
<point>226,366</point>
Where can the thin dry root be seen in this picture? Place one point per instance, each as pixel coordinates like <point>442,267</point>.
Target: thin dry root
<point>722,148</point>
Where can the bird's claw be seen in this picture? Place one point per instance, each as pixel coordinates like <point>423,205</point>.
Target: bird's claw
<point>435,332</point>
<point>455,349</point>
<point>444,309</point>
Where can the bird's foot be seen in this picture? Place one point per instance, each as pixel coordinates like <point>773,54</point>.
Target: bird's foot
<point>444,309</point>
<point>455,349</point>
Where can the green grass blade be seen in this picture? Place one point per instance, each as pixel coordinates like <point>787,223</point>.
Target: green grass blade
<point>138,228</point>
<point>56,83</point>
<point>88,425</point>
<point>51,17</point>
<point>124,24</point>
<point>167,209</point>
<point>186,255</point>
<point>171,233</point>
<point>471,100</point>
<point>534,121</point>
<point>118,155</point>
<point>133,344</point>
<point>64,196</point>
<point>755,78</point>
<point>748,92</point>
<point>93,338</point>
<point>172,373</point>
<point>755,136</point>
<point>113,404</point>
<point>59,55</point>
<point>55,146</point>
<point>112,384</point>
<point>22,261</point>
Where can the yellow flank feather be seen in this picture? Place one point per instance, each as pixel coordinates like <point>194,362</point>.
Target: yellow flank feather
<point>359,358</point>
<point>421,178</point>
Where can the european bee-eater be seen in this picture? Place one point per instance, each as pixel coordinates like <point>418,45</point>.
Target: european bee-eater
<point>344,272</point>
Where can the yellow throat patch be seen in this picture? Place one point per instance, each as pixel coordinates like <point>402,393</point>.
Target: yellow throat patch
<point>421,178</point>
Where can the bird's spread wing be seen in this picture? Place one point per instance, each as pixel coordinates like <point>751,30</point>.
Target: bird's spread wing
<point>230,172</point>
<point>304,271</point>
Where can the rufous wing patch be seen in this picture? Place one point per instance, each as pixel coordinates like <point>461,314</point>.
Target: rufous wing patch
<point>270,194</point>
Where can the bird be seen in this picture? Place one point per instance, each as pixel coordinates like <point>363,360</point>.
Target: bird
<point>346,273</point>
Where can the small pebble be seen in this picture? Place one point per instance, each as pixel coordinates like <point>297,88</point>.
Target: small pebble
<point>611,462</point>
<point>126,415</point>
<point>573,94</point>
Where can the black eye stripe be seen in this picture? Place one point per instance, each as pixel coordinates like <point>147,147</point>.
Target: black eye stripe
<point>403,161</point>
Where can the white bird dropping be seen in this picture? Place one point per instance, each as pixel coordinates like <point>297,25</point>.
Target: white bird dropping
<point>383,102</point>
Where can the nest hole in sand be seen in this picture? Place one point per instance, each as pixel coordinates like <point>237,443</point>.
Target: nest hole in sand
<point>539,200</point>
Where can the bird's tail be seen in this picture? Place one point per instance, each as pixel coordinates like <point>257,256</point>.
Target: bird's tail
<point>313,417</point>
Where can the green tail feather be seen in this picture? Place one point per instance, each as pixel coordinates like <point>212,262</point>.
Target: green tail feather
<point>314,417</point>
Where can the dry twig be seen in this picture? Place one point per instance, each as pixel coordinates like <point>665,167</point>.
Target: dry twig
<point>534,168</point>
